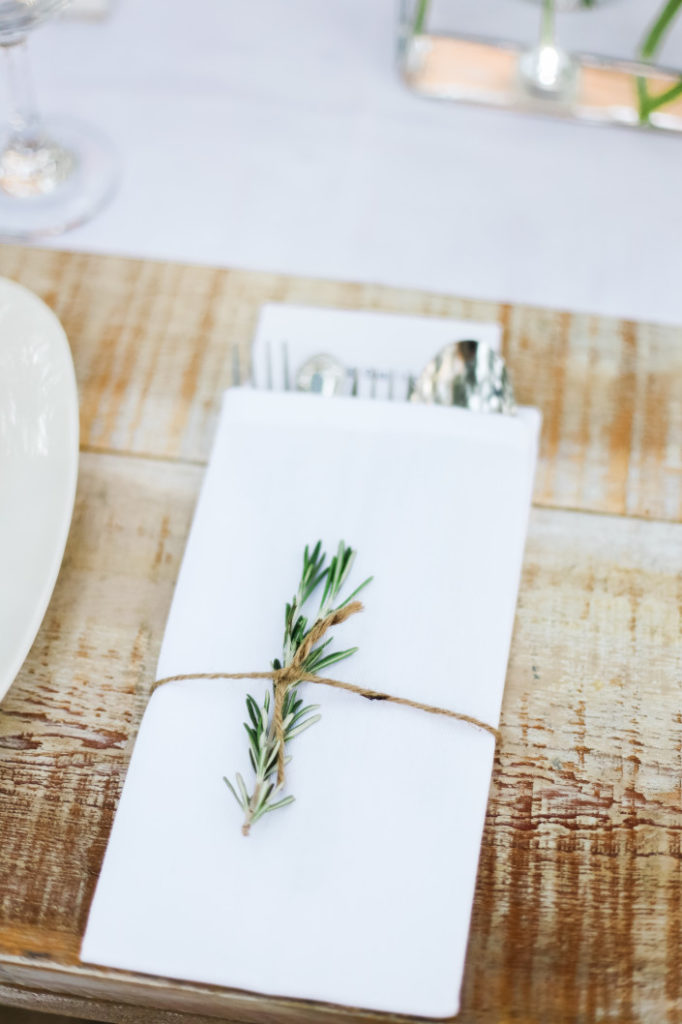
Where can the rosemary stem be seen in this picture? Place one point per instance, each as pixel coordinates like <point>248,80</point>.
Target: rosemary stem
<point>281,715</point>
<point>261,778</point>
<point>253,804</point>
<point>258,786</point>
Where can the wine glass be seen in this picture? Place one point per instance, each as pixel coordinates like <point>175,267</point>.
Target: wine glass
<point>55,173</point>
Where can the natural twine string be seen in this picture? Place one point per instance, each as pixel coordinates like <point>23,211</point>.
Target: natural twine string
<point>284,678</point>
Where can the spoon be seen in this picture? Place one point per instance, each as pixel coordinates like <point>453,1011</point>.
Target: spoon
<point>468,374</point>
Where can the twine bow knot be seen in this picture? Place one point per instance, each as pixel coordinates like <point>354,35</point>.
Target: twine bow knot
<point>289,675</point>
<point>284,678</point>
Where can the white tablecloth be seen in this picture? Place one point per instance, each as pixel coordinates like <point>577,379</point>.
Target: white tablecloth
<point>276,135</point>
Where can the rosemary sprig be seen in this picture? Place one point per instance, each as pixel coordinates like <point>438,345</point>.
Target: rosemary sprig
<point>296,715</point>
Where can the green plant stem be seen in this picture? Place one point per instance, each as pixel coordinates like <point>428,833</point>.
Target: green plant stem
<point>664,97</point>
<point>420,17</point>
<point>650,46</point>
<point>548,25</point>
<point>656,34</point>
<point>266,741</point>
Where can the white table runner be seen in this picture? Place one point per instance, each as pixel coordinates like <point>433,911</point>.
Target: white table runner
<point>277,136</point>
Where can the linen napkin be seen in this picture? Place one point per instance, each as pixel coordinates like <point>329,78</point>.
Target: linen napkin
<point>287,335</point>
<point>360,892</point>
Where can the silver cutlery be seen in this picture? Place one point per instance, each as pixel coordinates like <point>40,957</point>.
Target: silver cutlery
<point>468,374</point>
<point>465,373</point>
<point>323,375</point>
<point>326,375</point>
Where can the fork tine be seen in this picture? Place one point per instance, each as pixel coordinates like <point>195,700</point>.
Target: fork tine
<point>236,368</point>
<point>285,366</point>
<point>268,366</point>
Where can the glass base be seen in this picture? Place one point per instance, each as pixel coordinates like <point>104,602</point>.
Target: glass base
<point>58,185</point>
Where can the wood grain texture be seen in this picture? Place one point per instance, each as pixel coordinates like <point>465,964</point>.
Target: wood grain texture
<point>12,1015</point>
<point>577,915</point>
<point>153,346</point>
<point>577,907</point>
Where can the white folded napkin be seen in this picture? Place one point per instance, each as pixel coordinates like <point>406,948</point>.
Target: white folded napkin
<point>360,892</point>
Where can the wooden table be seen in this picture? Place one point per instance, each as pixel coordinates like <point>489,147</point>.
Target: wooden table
<point>577,914</point>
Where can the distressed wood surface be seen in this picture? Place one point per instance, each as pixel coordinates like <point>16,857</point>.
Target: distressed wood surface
<point>13,1015</point>
<point>577,913</point>
<point>153,347</point>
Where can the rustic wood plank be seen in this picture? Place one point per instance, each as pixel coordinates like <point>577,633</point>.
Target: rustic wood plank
<point>577,913</point>
<point>153,349</point>
<point>19,1016</point>
<point>68,722</point>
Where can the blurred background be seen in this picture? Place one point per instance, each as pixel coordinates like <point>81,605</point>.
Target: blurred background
<point>280,137</point>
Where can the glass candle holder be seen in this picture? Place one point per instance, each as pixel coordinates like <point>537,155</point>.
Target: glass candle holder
<point>592,61</point>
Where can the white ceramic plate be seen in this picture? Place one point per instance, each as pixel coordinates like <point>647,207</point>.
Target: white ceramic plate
<point>38,466</point>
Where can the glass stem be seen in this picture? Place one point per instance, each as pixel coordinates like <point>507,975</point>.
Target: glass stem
<point>24,119</point>
<point>30,164</point>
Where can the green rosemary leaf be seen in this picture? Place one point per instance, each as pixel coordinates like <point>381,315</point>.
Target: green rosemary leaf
<point>303,726</point>
<point>255,750</point>
<point>280,803</point>
<point>242,790</point>
<point>272,757</point>
<point>338,565</point>
<point>291,701</point>
<point>287,706</point>
<point>292,720</point>
<point>305,711</point>
<point>313,585</point>
<point>263,798</point>
<point>315,656</point>
<point>299,630</point>
<point>346,566</point>
<point>296,716</point>
<point>263,740</point>
<point>335,656</point>
<point>356,592</point>
<point>254,711</point>
<point>233,791</point>
<point>328,583</point>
